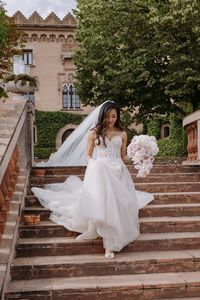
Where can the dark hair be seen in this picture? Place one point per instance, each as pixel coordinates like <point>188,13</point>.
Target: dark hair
<point>101,127</point>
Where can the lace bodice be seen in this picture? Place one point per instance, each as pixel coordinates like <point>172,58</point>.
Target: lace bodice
<point>113,149</point>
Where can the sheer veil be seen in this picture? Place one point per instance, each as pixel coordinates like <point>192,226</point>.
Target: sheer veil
<point>73,150</point>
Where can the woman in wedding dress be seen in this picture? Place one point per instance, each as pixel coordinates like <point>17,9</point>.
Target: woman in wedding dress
<point>105,203</point>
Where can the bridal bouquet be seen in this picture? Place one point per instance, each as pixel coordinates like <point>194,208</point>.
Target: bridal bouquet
<point>142,150</point>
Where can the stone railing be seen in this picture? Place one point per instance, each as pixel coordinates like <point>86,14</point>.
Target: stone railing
<point>16,156</point>
<point>7,188</point>
<point>191,123</point>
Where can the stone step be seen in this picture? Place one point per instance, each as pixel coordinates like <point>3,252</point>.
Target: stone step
<point>147,225</point>
<point>156,169</point>
<point>171,210</point>
<point>21,179</point>
<point>165,177</point>
<point>140,287</point>
<point>159,198</point>
<point>169,224</point>
<point>160,210</point>
<point>161,187</point>
<point>158,187</point>
<point>98,265</point>
<point>176,197</point>
<point>71,246</point>
<point>44,229</point>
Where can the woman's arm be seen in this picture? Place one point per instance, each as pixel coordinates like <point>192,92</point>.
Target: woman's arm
<point>124,156</point>
<point>90,144</point>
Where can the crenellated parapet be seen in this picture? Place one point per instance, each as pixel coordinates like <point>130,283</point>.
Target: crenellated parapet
<point>49,29</point>
<point>51,20</point>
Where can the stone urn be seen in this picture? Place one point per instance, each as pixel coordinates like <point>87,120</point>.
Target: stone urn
<point>21,84</point>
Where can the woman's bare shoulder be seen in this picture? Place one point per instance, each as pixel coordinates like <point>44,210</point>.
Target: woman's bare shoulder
<point>124,134</point>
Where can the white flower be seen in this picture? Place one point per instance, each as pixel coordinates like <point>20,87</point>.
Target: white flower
<point>142,150</point>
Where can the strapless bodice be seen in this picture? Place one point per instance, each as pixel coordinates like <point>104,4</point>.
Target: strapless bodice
<point>112,149</point>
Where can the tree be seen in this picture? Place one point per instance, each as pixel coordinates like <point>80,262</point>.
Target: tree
<point>10,39</point>
<point>140,53</point>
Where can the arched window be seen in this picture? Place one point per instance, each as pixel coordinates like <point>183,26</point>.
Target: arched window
<point>70,97</point>
<point>66,134</point>
<point>166,131</point>
<point>66,97</point>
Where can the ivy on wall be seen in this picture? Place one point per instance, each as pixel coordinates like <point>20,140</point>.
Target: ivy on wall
<point>48,124</point>
<point>175,145</point>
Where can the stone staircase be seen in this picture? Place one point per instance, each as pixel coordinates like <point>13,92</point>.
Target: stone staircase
<point>163,263</point>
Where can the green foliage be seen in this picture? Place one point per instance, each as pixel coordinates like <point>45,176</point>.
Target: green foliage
<point>154,128</point>
<point>171,148</point>
<point>10,39</point>
<point>149,56</point>
<point>175,145</point>
<point>43,153</point>
<point>48,125</point>
<point>126,118</point>
<point>154,125</point>
<point>130,134</point>
<point>127,121</point>
<point>23,78</point>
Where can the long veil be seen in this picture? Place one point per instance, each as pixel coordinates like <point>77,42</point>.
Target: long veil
<point>73,150</point>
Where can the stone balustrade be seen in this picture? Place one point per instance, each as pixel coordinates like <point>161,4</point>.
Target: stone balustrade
<point>7,188</point>
<point>15,151</point>
<point>16,156</point>
<point>191,123</point>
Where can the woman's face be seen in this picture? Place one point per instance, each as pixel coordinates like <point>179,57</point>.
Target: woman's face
<point>111,118</point>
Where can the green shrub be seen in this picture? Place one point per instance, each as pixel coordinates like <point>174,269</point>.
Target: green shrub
<point>43,153</point>
<point>176,144</point>
<point>130,134</point>
<point>171,148</point>
<point>48,124</point>
<point>154,125</point>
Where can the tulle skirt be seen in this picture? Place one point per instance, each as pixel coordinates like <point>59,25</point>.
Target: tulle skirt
<point>106,197</point>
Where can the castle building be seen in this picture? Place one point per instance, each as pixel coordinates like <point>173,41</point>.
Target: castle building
<point>50,44</point>
<point>49,47</point>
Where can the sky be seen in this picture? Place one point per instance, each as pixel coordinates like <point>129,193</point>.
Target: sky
<point>43,7</point>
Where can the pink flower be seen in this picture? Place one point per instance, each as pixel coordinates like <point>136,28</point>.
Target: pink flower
<point>142,150</point>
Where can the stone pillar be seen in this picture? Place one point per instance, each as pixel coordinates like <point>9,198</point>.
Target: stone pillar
<point>191,124</point>
<point>7,188</point>
<point>191,131</point>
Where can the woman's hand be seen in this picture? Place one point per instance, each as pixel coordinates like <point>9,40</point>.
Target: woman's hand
<point>126,159</point>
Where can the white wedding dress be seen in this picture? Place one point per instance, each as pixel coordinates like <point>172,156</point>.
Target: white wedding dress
<point>106,197</point>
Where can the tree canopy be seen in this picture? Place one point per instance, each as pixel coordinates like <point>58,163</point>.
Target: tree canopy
<point>10,39</point>
<point>140,53</point>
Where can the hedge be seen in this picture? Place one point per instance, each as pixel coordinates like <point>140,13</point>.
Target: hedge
<point>48,124</point>
<point>176,144</point>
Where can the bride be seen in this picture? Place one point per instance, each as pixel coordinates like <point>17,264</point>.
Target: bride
<point>105,203</point>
